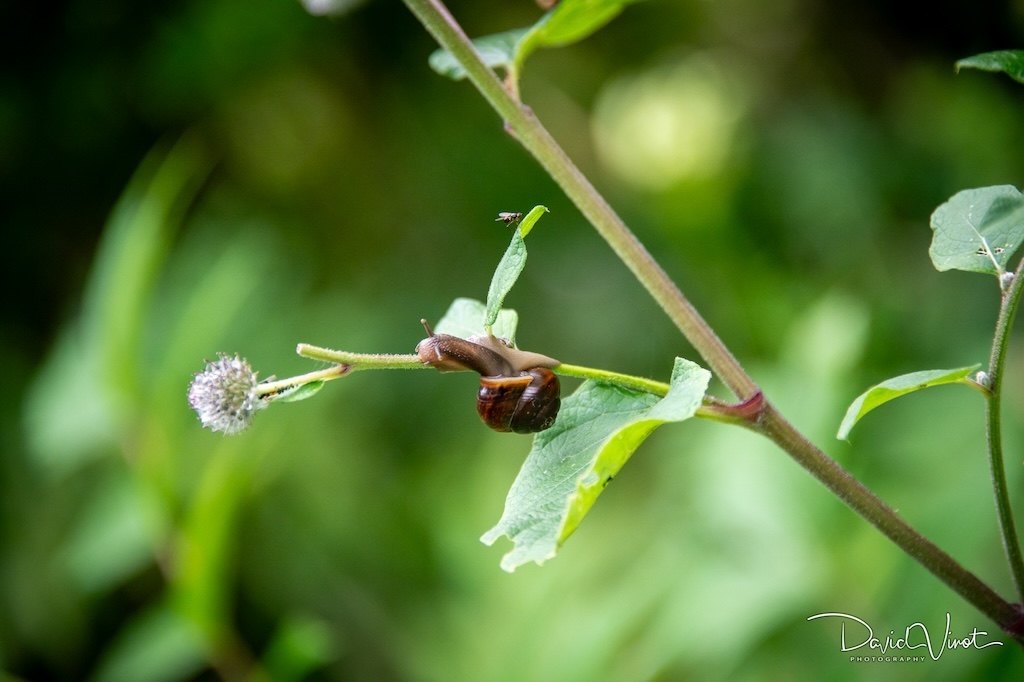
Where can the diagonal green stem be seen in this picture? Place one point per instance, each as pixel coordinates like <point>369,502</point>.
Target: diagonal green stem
<point>535,138</point>
<point>859,498</point>
<point>993,421</point>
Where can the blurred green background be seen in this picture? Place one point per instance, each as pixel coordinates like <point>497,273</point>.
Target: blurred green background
<point>184,178</point>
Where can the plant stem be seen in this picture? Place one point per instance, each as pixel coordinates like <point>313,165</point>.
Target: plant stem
<point>885,519</point>
<point>334,372</point>
<point>711,408</point>
<point>347,362</point>
<point>629,381</point>
<point>535,138</point>
<point>360,360</point>
<point>993,422</point>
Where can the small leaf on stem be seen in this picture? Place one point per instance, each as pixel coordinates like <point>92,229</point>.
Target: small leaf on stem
<point>510,266</point>
<point>896,387</point>
<point>294,394</point>
<point>569,22</point>
<point>497,50</point>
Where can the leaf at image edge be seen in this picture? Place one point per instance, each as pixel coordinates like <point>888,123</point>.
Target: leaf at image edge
<point>976,227</point>
<point>1010,62</point>
<point>896,387</point>
<point>598,429</point>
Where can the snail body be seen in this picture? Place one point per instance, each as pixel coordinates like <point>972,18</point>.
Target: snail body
<point>518,391</point>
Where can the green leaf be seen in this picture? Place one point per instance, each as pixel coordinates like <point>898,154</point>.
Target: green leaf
<point>527,223</point>
<point>505,276</point>
<point>497,50</point>
<point>297,393</point>
<point>465,318</point>
<point>598,429</point>
<point>569,22</point>
<point>1010,62</point>
<point>510,266</point>
<point>978,230</point>
<point>896,387</point>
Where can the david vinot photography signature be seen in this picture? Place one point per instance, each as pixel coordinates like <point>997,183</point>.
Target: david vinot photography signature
<point>860,637</point>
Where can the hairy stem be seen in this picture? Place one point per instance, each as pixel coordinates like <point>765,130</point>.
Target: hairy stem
<point>711,408</point>
<point>535,138</point>
<point>629,381</point>
<point>267,388</point>
<point>993,421</point>
<point>360,360</point>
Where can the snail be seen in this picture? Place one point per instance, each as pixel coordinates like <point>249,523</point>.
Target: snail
<point>518,391</point>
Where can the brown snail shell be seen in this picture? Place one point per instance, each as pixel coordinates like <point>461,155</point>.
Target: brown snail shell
<point>527,403</point>
<point>518,392</point>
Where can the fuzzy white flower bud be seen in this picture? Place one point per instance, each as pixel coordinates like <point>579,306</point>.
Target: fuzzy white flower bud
<point>224,395</point>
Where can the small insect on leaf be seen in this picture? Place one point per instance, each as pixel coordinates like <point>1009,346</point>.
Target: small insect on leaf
<point>508,218</point>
